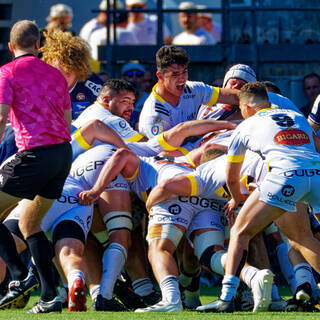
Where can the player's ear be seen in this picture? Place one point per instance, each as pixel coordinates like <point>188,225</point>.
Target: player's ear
<point>10,47</point>
<point>159,75</point>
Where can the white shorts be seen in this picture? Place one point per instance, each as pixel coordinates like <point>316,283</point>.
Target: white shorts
<point>283,190</point>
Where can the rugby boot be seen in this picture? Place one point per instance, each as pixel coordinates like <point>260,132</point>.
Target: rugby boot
<point>243,300</point>
<point>77,296</point>
<point>163,306</point>
<point>19,289</point>
<point>46,306</point>
<point>218,306</point>
<point>261,289</point>
<point>103,304</point>
<point>151,299</point>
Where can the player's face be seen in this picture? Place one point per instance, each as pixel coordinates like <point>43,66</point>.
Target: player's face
<point>235,83</point>
<point>174,79</point>
<point>122,105</point>
<point>71,77</point>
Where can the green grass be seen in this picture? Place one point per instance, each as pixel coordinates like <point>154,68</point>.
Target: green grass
<point>207,295</point>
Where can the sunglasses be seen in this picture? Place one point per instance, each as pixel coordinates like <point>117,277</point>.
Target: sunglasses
<point>131,74</point>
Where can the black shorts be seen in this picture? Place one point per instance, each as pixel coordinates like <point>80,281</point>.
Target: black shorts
<point>40,171</point>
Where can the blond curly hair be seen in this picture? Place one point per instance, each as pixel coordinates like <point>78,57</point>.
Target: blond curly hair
<point>72,52</point>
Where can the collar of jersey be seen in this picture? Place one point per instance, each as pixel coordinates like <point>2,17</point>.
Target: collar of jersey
<point>265,109</point>
<point>73,87</point>
<point>156,95</point>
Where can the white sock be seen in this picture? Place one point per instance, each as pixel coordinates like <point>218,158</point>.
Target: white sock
<point>94,291</point>
<point>248,273</point>
<point>303,273</point>
<point>286,266</point>
<point>230,285</point>
<point>113,261</point>
<point>170,289</point>
<point>142,286</point>
<point>73,275</point>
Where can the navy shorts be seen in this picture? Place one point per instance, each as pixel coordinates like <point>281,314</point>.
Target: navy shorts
<point>40,171</point>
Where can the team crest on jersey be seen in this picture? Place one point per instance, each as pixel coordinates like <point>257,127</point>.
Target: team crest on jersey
<point>122,124</point>
<point>80,96</point>
<point>293,137</point>
<point>155,130</point>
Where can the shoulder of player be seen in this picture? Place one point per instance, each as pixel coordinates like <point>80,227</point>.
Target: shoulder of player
<point>153,107</point>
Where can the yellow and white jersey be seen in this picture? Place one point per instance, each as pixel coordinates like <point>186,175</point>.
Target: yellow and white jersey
<point>157,115</point>
<point>120,125</point>
<point>209,179</point>
<point>152,170</point>
<point>283,138</point>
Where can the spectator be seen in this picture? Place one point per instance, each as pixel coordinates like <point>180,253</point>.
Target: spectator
<point>193,34</point>
<point>148,82</point>
<point>60,17</point>
<point>207,23</point>
<point>134,73</point>
<point>123,36</point>
<point>311,87</point>
<point>145,26</point>
<point>96,23</point>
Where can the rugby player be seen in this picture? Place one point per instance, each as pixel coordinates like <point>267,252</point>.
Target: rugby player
<point>174,99</point>
<point>284,139</point>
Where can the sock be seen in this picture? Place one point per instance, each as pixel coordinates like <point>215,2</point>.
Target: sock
<point>248,273</point>
<point>142,286</point>
<point>170,289</point>
<point>73,275</point>
<point>286,266</point>
<point>94,291</point>
<point>230,285</point>
<point>42,254</point>
<point>275,293</point>
<point>113,261</point>
<point>303,273</point>
<point>9,254</point>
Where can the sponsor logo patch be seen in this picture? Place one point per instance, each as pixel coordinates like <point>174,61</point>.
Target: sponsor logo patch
<point>294,137</point>
<point>80,96</point>
<point>287,190</point>
<point>174,209</point>
<point>155,130</point>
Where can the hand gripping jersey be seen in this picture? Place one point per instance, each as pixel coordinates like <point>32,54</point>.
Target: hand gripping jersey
<point>154,169</point>
<point>157,115</point>
<point>282,137</point>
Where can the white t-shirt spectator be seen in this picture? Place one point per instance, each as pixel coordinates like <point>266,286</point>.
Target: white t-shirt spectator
<point>99,37</point>
<point>199,37</point>
<point>90,27</point>
<point>146,30</point>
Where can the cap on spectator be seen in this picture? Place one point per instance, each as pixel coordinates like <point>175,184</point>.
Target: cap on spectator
<point>240,71</point>
<point>132,66</point>
<point>204,14</point>
<point>60,10</point>
<point>187,5</point>
<point>133,2</point>
<point>103,4</point>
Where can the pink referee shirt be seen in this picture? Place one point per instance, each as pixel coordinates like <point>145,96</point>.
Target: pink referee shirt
<point>38,95</point>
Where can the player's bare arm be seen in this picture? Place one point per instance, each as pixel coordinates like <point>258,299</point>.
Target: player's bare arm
<point>229,96</point>
<point>4,110</point>
<point>122,161</point>
<point>180,185</point>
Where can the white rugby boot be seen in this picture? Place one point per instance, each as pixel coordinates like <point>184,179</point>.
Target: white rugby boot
<point>261,289</point>
<point>163,306</point>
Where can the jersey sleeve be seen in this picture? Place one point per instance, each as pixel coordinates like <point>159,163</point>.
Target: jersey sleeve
<point>6,90</point>
<point>197,185</point>
<point>237,148</point>
<point>124,130</point>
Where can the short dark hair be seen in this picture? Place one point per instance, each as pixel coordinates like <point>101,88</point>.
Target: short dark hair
<point>271,86</point>
<point>117,85</point>
<point>254,93</point>
<point>311,75</point>
<point>169,55</point>
<point>23,34</point>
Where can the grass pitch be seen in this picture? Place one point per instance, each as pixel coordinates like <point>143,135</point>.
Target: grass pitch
<point>207,295</point>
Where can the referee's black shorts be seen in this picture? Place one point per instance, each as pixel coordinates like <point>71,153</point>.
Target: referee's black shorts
<point>40,171</point>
